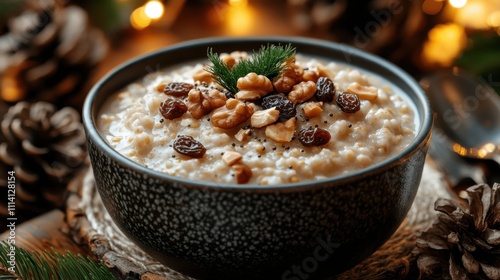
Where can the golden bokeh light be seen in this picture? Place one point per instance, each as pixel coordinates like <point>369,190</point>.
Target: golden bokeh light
<point>459,149</point>
<point>154,9</point>
<point>444,44</point>
<point>239,19</point>
<point>473,15</point>
<point>432,7</point>
<point>238,3</point>
<point>457,3</point>
<point>494,19</point>
<point>138,19</point>
<point>487,149</point>
<point>11,91</point>
<point>482,153</point>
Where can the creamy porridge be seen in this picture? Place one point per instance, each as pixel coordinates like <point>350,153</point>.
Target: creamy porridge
<point>317,119</point>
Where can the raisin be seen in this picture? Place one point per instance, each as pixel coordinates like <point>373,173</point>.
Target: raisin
<point>326,90</point>
<point>286,107</point>
<point>178,89</point>
<point>348,102</point>
<point>172,108</point>
<point>314,136</point>
<point>188,146</point>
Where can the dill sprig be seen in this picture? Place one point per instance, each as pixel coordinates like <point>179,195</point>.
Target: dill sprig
<point>268,61</point>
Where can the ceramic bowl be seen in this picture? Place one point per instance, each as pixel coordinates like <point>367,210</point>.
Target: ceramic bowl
<point>309,230</point>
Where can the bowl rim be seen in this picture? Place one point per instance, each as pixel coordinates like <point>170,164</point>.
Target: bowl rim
<point>419,140</point>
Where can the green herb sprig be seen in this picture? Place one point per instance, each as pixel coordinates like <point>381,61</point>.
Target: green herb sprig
<point>268,61</point>
<point>50,266</point>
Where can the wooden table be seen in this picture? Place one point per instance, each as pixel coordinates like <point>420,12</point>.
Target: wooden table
<point>44,233</point>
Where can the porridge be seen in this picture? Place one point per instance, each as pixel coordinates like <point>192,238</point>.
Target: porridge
<point>315,119</point>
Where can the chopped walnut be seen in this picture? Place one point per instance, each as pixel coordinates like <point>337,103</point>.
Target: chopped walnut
<point>313,109</point>
<point>324,71</point>
<point>285,82</point>
<point>233,58</point>
<point>310,75</point>
<point>291,76</point>
<point>203,76</point>
<point>242,172</point>
<point>281,132</point>
<point>200,103</point>
<point>243,135</point>
<point>230,157</point>
<point>160,87</point>
<point>290,63</point>
<point>302,92</point>
<point>297,68</point>
<point>228,59</point>
<point>264,117</point>
<point>363,92</point>
<point>234,113</point>
<point>253,87</point>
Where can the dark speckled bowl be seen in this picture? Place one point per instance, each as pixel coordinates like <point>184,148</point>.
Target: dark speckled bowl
<point>310,230</point>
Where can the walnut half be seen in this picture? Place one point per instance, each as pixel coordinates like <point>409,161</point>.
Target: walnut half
<point>253,87</point>
<point>302,92</point>
<point>200,103</point>
<point>234,113</point>
<point>291,76</point>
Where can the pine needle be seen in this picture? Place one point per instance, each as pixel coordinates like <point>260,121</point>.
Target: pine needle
<point>50,266</point>
<point>268,61</point>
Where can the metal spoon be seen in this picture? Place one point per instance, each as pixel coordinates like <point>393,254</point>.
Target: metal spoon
<point>459,172</point>
<point>468,111</point>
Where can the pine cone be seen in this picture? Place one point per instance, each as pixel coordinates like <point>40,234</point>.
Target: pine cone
<point>45,148</point>
<point>48,53</point>
<point>463,243</point>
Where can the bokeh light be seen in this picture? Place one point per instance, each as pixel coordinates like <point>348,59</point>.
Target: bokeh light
<point>432,7</point>
<point>458,3</point>
<point>494,19</point>
<point>154,9</point>
<point>239,19</point>
<point>138,19</point>
<point>473,15</point>
<point>238,3</point>
<point>444,44</point>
